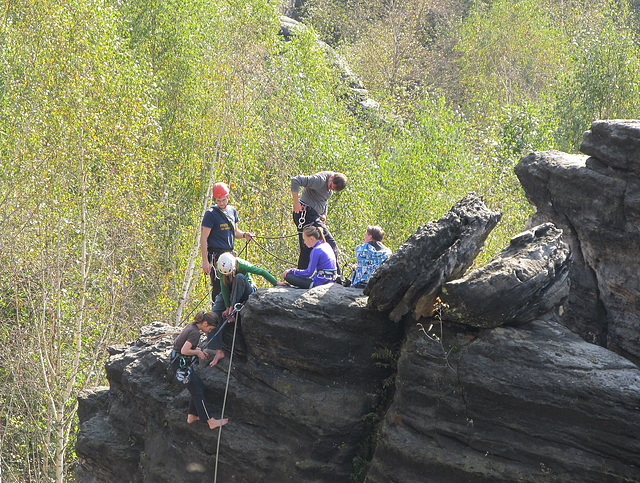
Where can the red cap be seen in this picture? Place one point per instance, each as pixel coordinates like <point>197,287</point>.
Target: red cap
<point>220,190</point>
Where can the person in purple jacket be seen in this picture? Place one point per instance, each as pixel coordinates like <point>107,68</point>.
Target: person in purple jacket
<point>322,261</point>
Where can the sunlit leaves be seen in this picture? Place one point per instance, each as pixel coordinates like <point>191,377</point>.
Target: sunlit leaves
<point>605,80</point>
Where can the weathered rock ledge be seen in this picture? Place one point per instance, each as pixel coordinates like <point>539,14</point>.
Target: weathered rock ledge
<point>484,391</point>
<point>596,202</point>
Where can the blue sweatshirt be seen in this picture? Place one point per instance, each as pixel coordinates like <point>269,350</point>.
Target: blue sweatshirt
<point>321,258</point>
<point>370,256</point>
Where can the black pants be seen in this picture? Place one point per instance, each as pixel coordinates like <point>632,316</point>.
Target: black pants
<point>195,386</point>
<point>240,291</point>
<point>302,282</point>
<point>311,217</point>
<point>215,281</point>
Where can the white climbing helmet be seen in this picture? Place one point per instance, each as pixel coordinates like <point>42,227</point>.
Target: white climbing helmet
<point>226,263</point>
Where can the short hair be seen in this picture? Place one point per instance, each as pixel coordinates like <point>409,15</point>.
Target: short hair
<point>376,232</point>
<point>339,181</point>
<point>314,231</point>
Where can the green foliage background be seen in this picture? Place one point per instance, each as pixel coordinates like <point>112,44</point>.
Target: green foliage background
<point>116,117</point>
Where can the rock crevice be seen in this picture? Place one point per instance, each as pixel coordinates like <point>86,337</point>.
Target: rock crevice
<point>497,381</point>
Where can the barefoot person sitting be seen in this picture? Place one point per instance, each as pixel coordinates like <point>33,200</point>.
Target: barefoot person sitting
<point>236,286</point>
<point>322,261</point>
<point>184,354</point>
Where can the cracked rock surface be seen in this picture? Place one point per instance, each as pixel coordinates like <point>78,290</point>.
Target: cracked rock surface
<point>527,404</point>
<point>475,402</point>
<point>596,202</point>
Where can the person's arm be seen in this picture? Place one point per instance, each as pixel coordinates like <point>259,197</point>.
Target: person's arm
<point>296,201</point>
<point>313,263</point>
<point>242,234</point>
<point>263,273</point>
<point>204,234</point>
<point>189,350</point>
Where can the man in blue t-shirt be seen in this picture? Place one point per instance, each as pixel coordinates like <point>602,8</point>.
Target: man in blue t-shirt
<point>218,233</point>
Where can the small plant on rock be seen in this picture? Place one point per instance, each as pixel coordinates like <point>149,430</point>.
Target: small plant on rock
<point>435,331</point>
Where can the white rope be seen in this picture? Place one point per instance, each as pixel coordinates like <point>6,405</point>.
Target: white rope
<point>224,401</point>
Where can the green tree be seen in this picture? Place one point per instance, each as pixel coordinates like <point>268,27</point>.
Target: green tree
<point>509,53</point>
<point>605,80</point>
<point>77,129</point>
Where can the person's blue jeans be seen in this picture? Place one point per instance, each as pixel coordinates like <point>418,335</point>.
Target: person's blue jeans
<point>240,291</point>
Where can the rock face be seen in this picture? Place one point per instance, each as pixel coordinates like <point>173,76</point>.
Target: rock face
<point>527,401</point>
<point>302,384</point>
<point>528,279</point>
<point>356,95</point>
<point>596,202</point>
<point>527,404</point>
<point>410,279</point>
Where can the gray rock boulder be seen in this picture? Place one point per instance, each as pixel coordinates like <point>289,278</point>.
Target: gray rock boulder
<point>596,202</point>
<point>616,143</point>
<point>410,279</point>
<point>527,404</point>
<point>302,382</point>
<point>332,333</point>
<point>514,403</point>
<point>526,280</point>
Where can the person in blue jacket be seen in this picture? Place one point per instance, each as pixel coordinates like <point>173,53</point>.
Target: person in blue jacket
<point>322,261</point>
<point>370,256</point>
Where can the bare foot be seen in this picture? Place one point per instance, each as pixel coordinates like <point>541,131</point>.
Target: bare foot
<point>192,418</point>
<point>216,423</point>
<point>219,355</point>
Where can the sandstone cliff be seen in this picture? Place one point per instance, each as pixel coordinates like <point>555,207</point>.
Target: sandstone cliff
<point>596,202</point>
<point>524,371</point>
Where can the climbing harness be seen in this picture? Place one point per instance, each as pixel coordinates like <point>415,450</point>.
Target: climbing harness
<point>326,273</point>
<point>236,309</point>
<point>303,216</point>
<point>185,363</point>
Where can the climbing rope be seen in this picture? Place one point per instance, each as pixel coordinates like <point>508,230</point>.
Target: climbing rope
<point>276,237</point>
<point>236,310</point>
<point>273,255</point>
<point>207,294</point>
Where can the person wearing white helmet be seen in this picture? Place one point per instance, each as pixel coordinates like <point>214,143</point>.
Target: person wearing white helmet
<point>237,284</point>
<point>219,229</point>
